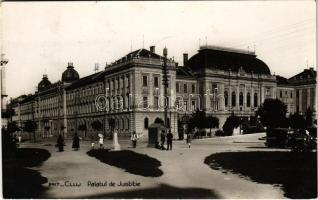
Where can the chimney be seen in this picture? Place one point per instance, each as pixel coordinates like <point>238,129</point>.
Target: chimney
<point>152,49</point>
<point>185,59</point>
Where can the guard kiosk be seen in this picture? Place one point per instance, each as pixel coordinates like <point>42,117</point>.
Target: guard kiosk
<point>154,132</point>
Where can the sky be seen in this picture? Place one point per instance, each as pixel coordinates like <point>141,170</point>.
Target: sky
<point>41,37</point>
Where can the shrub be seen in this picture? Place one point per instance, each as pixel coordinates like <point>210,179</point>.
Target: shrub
<point>230,123</point>
<point>297,121</point>
<point>273,113</point>
<point>219,133</point>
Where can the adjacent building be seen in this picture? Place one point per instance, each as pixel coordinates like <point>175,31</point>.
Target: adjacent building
<point>130,92</point>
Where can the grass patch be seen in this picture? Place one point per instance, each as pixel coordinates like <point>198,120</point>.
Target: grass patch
<point>19,181</point>
<point>162,191</point>
<point>130,161</point>
<point>295,172</point>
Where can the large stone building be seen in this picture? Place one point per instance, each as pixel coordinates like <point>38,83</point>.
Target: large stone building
<point>129,91</point>
<point>299,91</point>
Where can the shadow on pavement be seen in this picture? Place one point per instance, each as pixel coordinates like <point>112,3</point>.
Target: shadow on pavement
<point>163,191</point>
<point>296,172</point>
<point>130,161</point>
<point>18,180</point>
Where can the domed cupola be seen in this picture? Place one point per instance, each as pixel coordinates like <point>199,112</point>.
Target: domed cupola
<point>70,74</point>
<point>44,83</point>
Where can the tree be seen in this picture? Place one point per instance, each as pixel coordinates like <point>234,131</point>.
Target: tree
<point>12,127</point>
<point>230,123</point>
<point>273,113</point>
<point>30,126</point>
<point>212,122</point>
<point>309,119</point>
<point>297,121</point>
<point>198,119</point>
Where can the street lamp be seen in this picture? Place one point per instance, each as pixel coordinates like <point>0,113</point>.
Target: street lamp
<point>165,84</point>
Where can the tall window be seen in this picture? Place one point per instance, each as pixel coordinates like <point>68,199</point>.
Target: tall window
<point>146,123</point>
<point>255,99</point>
<point>144,81</point>
<point>280,94</point>
<point>226,98</point>
<point>291,94</point>
<point>185,88</point>
<point>156,82</point>
<point>177,87</point>
<point>156,102</point>
<point>233,99</point>
<point>248,100</point>
<point>193,88</point>
<point>241,99</point>
<point>145,102</point>
<point>193,105</point>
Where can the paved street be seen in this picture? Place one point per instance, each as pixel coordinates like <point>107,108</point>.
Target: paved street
<point>183,169</point>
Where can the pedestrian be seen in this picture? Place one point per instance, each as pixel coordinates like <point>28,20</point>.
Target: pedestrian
<point>169,140</point>
<point>92,142</point>
<point>76,144</point>
<point>115,142</point>
<point>60,143</point>
<point>14,140</point>
<point>101,141</point>
<point>134,139</point>
<point>163,139</point>
<point>189,137</point>
<point>19,139</point>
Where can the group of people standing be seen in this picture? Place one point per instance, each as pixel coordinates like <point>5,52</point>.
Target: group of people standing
<point>134,137</point>
<point>60,143</point>
<point>163,137</point>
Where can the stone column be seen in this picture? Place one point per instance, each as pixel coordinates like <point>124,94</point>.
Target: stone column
<point>64,114</point>
<point>221,97</point>
<point>252,97</point>
<point>230,98</point>
<point>308,97</point>
<point>300,100</point>
<point>245,98</point>
<point>237,96</point>
<point>274,90</point>
<point>207,97</point>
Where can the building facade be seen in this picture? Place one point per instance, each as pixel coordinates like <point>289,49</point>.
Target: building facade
<point>299,91</point>
<point>130,92</point>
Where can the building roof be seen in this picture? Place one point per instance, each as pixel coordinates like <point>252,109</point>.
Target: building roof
<point>143,53</point>
<point>282,80</point>
<point>184,72</point>
<point>99,76</point>
<point>227,59</point>
<point>306,74</point>
<point>44,83</point>
<point>70,74</point>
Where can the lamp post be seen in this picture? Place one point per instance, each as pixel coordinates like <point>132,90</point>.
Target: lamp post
<point>165,84</point>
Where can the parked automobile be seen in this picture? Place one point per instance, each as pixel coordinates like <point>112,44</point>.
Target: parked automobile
<point>302,141</point>
<point>277,137</point>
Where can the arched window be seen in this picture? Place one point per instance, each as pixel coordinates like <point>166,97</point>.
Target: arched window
<point>248,100</point>
<point>122,124</point>
<point>255,100</point>
<point>127,119</point>
<point>226,99</point>
<point>168,123</point>
<point>146,123</point>
<point>233,99</point>
<point>241,99</point>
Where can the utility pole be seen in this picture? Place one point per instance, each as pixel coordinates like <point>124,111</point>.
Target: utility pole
<point>165,84</point>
